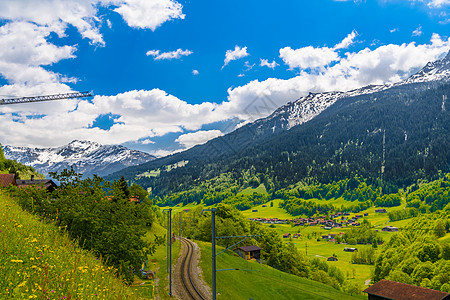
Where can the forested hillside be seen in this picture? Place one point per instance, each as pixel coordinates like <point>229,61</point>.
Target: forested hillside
<point>344,141</point>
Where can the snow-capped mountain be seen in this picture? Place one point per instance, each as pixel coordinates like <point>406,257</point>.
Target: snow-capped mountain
<point>308,107</point>
<point>292,114</point>
<point>85,157</point>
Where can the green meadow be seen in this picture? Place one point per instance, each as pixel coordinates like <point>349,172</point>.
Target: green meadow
<point>258,281</point>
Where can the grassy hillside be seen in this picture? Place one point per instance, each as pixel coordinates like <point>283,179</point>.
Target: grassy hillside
<point>158,264</point>
<point>257,281</point>
<point>37,260</point>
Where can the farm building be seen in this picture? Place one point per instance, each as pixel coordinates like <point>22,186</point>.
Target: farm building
<point>332,258</point>
<point>249,252</point>
<point>286,235</point>
<point>386,289</point>
<point>389,228</point>
<point>348,249</point>
<point>7,180</point>
<point>381,210</point>
<point>254,210</point>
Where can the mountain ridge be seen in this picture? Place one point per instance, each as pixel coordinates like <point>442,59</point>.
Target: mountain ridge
<point>260,135</point>
<point>85,157</point>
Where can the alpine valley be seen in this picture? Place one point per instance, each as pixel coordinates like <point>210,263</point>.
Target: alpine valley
<point>85,157</point>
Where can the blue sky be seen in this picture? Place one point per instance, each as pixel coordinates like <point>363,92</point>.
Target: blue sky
<point>168,74</point>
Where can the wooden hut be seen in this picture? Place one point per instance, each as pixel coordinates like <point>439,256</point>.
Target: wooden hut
<point>249,252</point>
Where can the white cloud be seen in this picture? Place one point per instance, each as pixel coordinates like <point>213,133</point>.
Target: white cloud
<point>349,40</point>
<point>195,72</point>
<point>417,31</point>
<point>312,58</point>
<point>24,52</point>
<point>149,14</point>
<point>393,30</point>
<point>55,14</point>
<point>235,54</point>
<point>169,55</point>
<point>147,142</point>
<point>169,114</point>
<point>385,64</point>
<point>308,57</point>
<point>162,152</point>
<point>189,140</point>
<point>82,14</point>
<point>108,22</point>
<point>248,66</point>
<point>241,75</point>
<point>438,3</point>
<point>265,62</point>
<point>25,36</point>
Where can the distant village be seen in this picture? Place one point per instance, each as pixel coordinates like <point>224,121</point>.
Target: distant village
<point>334,221</point>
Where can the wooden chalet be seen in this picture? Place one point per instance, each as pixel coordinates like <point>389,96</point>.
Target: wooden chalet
<point>47,184</point>
<point>381,211</point>
<point>286,235</point>
<point>391,290</point>
<point>249,252</point>
<point>7,179</point>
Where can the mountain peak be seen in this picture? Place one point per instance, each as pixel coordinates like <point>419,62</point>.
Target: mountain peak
<point>436,70</point>
<point>85,157</point>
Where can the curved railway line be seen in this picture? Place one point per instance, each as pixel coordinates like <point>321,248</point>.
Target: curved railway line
<point>190,290</point>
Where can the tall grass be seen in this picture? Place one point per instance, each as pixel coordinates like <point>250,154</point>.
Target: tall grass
<point>39,261</point>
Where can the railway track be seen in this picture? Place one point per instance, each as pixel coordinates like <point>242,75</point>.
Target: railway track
<point>190,290</point>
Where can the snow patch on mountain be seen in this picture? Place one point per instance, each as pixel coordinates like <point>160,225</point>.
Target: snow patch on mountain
<point>308,107</point>
<point>84,156</point>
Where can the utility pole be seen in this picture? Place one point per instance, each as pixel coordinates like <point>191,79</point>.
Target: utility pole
<point>193,224</point>
<point>383,164</point>
<point>213,243</point>
<point>179,235</point>
<point>169,247</point>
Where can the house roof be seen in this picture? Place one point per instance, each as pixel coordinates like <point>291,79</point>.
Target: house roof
<point>7,179</point>
<point>402,291</point>
<point>249,248</point>
<point>46,183</point>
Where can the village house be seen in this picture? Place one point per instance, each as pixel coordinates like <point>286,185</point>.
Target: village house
<point>390,229</point>
<point>286,235</point>
<point>350,249</point>
<point>386,289</point>
<point>381,211</point>
<point>332,258</point>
